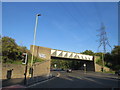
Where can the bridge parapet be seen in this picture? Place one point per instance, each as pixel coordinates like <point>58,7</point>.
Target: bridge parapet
<point>71,55</point>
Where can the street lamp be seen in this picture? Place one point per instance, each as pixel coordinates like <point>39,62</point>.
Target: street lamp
<point>84,68</point>
<point>34,37</point>
<point>55,66</point>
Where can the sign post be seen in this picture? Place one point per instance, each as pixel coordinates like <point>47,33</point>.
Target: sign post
<point>25,61</point>
<point>84,68</point>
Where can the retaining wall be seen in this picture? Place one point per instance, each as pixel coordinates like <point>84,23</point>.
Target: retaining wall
<point>98,67</point>
<point>17,71</point>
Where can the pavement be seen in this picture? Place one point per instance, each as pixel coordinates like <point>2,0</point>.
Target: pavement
<point>14,87</point>
<point>30,81</point>
<point>13,81</point>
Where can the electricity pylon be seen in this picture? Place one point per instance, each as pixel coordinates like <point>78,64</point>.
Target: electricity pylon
<point>103,42</point>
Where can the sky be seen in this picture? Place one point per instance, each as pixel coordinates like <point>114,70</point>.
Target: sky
<point>69,26</point>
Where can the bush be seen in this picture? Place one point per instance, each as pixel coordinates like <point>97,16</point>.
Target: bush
<point>117,67</point>
<point>12,53</point>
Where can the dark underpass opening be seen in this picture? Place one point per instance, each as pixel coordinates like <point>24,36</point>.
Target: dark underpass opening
<point>74,64</point>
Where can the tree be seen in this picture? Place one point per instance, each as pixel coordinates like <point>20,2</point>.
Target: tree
<point>116,50</point>
<point>113,59</point>
<point>88,52</point>
<point>10,50</point>
<point>116,57</point>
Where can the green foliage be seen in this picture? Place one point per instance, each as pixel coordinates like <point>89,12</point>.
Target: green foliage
<point>116,50</point>
<point>12,53</point>
<point>117,67</point>
<point>65,64</point>
<point>14,62</point>
<point>37,60</point>
<point>109,64</point>
<point>88,52</point>
<point>112,72</point>
<point>113,59</point>
<point>10,50</point>
<point>99,61</point>
<point>60,63</point>
<point>99,54</point>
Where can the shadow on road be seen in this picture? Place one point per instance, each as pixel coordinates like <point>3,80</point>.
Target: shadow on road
<point>69,80</point>
<point>29,81</point>
<point>9,82</point>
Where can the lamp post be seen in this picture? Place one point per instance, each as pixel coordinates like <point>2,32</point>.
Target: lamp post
<point>55,66</point>
<point>31,66</point>
<point>84,68</point>
<point>34,37</point>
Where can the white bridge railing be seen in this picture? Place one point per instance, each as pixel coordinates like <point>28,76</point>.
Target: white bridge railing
<point>71,55</point>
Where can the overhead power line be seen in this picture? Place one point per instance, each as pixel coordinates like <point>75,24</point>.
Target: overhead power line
<point>70,14</point>
<point>98,12</point>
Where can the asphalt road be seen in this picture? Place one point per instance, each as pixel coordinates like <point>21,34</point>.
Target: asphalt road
<point>78,79</point>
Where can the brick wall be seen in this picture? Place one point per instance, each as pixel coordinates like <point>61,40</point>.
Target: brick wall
<point>17,70</point>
